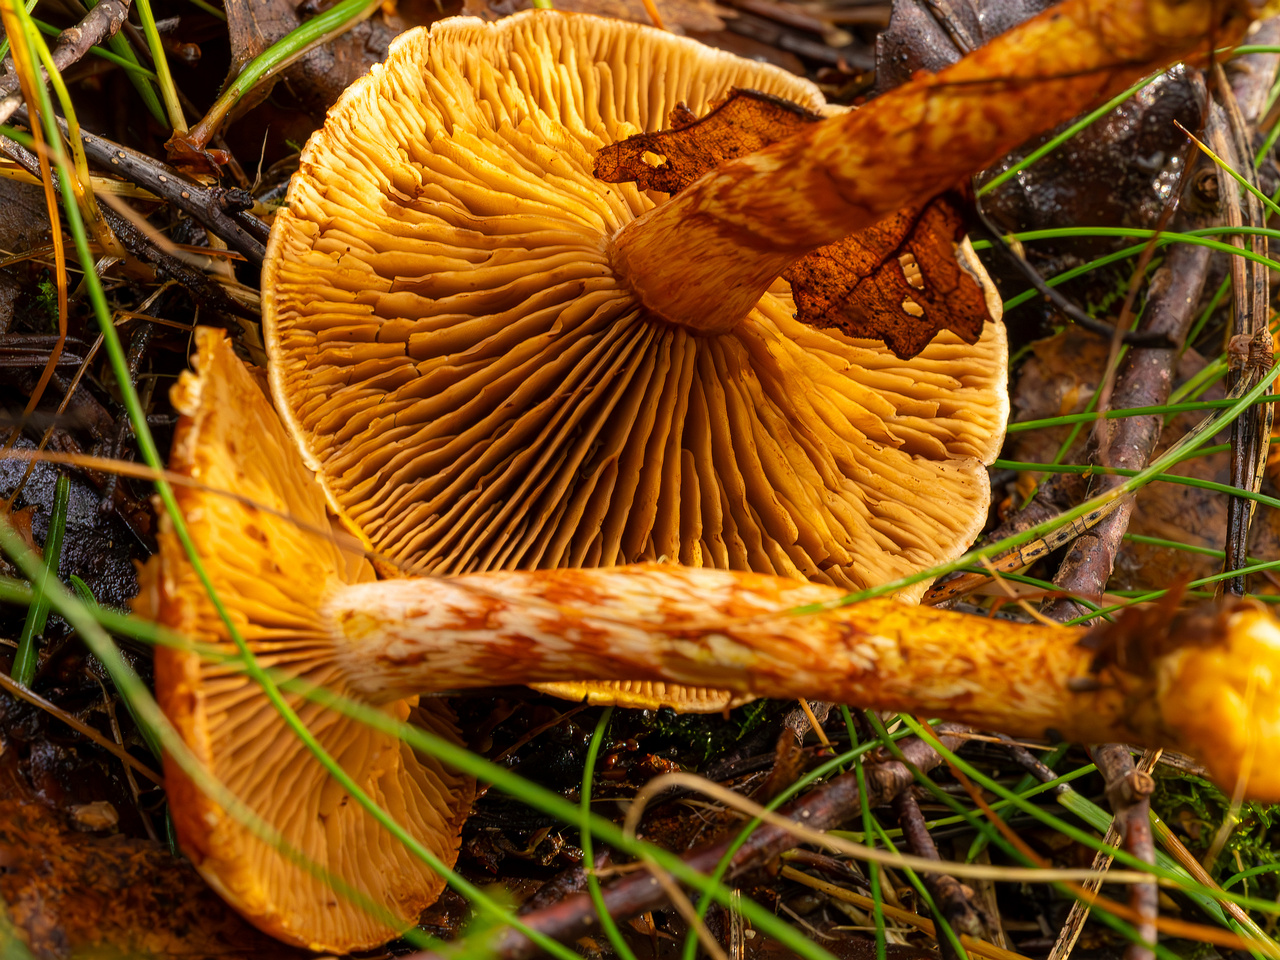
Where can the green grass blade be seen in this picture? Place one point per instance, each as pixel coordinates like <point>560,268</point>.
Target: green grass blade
<point>1231,171</point>
<point>168,92</point>
<point>620,946</point>
<point>130,66</point>
<point>333,22</point>
<point>150,453</point>
<point>24,662</point>
<point>119,45</point>
<point>1193,440</point>
<point>12,946</point>
<point>939,918</point>
<point>4,41</point>
<point>869,831</point>
<point>1166,410</point>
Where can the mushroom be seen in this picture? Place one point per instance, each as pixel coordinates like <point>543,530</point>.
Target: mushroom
<point>274,583</point>
<point>495,361</point>
<point>311,609</point>
<point>479,387</point>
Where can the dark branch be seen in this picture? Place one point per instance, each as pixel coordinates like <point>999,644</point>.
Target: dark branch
<point>223,212</point>
<point>1061,303</point>
<point>953,898</point>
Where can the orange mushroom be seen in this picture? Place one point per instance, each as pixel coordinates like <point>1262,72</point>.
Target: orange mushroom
<point>478,387</point>
<point>231,439</point>
<point>494,360</point>
<point>310,609</point>
<point>467,192</point>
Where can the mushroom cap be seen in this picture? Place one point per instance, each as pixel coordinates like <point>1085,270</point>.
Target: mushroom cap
<point>271,582</point>
<point>477,389</point>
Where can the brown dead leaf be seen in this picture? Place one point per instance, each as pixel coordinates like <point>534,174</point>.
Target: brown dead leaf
<point>789,761</point>
<point>933,34</point>
<point>670,160</point>
<point>20,521</point>
<point>898,282</point>
<point>81,894</point>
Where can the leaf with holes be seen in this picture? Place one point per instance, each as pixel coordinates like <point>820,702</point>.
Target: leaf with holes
<point>670,160</point>
<point>898,282</point>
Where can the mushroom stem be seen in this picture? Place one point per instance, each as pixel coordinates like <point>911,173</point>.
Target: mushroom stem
<point>704,258</point>
<point>1211,696</point>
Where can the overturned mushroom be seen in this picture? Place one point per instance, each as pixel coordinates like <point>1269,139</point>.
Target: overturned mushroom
<point>310,609</point>
<point>479,386</point>
<point>493,360</point>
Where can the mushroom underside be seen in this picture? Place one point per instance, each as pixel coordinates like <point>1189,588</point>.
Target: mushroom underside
<point>331,878</point>
<point>478,390</point>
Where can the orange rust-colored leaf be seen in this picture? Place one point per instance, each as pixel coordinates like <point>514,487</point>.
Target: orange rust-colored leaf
<point>742,123</point>
<point>859,285</point>
<point>69,893</point>
<point>189,153</point>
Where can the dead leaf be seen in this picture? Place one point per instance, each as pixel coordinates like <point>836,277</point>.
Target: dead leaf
<point>70,893</point>
<point>898,282</point>
<point>20,521</point>
<point>933,34</point>
<point>670,160</point>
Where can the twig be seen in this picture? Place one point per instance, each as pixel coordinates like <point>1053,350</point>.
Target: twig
<point>1129,790</point>
<point>975,946</point>
<point>1033,765</point>
<point>1249,352</point>
<point>1253,74</point>
<point>223,212</point>
<point>1145,380</point>
<point>1167,839</point>
<point>1079,913</point>
<point>1139,338</point>
<point>206,292</point>
<point>821,809</point>
<point>110,710</point>
<point>951,896</point>
<point>1073,926</point>
<point>101,23</point>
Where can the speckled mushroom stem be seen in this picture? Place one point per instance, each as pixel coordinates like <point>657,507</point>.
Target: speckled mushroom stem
<point>1212,698</point>
<point>704,258</point>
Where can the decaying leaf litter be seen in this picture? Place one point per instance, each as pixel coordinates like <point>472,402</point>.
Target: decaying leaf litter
<point>145,350</point>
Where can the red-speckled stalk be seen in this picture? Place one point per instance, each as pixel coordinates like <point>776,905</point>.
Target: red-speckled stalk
<point>704,258</point>
<point>1212,695</point>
